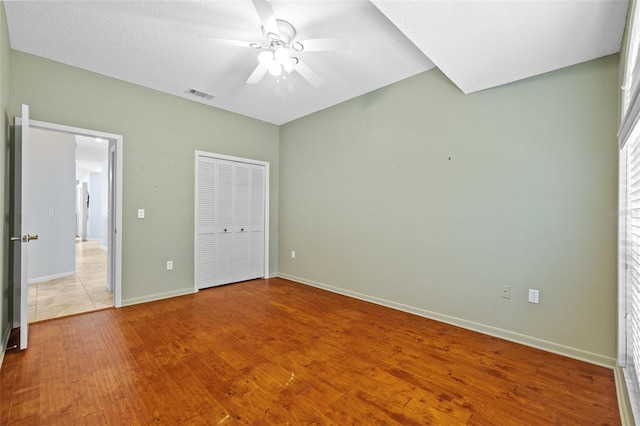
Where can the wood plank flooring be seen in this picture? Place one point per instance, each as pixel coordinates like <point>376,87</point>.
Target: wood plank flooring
<point>278,352</point>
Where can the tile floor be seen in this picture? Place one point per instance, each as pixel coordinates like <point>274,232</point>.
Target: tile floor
<point>85,291</point>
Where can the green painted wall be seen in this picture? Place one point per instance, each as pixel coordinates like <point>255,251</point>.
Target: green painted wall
<point>426,199</point>
<point>5,62</point>
<point>161,133</point>
<point>414,195</point>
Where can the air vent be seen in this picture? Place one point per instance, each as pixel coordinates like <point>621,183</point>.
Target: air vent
<point>199,94</point>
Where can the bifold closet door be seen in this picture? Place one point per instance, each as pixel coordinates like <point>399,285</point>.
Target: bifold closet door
<point>205,221</point>
<point>242,175</point>
<point>249,226</point>
<point>223,259</point>
<point>257,222</point>
<point>230,221</point>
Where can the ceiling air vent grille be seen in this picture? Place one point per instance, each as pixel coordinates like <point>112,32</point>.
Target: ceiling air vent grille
<point>199,93</point>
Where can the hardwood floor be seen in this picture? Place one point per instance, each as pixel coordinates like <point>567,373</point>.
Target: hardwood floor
<point>277,352</point>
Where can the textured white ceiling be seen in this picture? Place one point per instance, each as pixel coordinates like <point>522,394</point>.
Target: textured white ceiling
<point>477,44</point>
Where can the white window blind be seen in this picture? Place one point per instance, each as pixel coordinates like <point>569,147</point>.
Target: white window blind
<point>629,218</point>
<point>633,256</point>
<point>629,347</point>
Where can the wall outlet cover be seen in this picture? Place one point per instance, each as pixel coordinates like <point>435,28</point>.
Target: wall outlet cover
<point>505,292</point>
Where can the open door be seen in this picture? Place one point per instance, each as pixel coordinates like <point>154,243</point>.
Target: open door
<point>20,225</point>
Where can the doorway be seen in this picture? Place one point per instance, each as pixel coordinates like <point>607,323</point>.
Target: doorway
<point>88,264</point>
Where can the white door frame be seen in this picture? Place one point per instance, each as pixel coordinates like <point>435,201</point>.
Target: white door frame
<point>116,265</point>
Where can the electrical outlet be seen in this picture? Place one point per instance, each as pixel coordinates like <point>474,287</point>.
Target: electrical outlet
<point>169,265</point>
<point>293,254</point>
<point>534,296</point>
<point>140,213</point>
<point>505,292</point>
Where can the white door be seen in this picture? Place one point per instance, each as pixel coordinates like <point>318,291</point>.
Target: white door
<point>223,252</point>
<point>205,222</point>
<point>20,236</point>
<point>241,204</point>
<point>231,220</point>
<point>257,225</point>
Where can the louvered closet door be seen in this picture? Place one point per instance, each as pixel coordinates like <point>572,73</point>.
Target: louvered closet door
<point>242,175</point>
<point>224,241</point>
<point>230,221</point>
<point>205,225</point>
<point>257,225</point>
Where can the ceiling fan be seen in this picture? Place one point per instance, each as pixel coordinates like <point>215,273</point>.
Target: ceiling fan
<point>279,52</point>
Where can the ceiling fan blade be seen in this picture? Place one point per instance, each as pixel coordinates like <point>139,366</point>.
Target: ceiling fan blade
<point>257,74</point>
<point>267,17</point>
<point>319,44</point>
<point>228,42</point>
<point>308,74</point>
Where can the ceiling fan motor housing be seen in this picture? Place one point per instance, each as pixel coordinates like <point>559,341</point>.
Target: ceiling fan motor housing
<point>286,36</point>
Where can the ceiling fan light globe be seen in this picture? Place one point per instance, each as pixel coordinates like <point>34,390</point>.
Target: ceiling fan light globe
<point>265,58</point>
<point>281,55</point>
<point>290,65</point>
<point>275,68</point>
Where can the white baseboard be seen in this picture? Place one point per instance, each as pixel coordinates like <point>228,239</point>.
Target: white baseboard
<point>575,353</point>
<point>157,296</point>
<point>50,277</point>
<point>625,406</point>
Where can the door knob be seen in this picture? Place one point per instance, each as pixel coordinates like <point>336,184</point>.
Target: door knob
<point>24,238</point>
